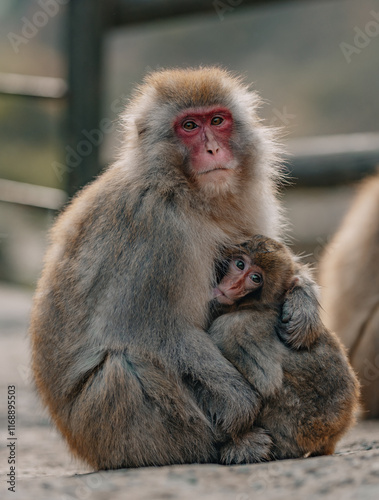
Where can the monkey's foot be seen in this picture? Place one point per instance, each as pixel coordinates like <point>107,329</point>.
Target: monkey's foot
<point>255,446</point>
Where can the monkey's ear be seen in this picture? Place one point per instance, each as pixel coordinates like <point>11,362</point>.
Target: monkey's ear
<point>140,126</point>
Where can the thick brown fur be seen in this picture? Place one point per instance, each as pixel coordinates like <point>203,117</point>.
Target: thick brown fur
<point>309,396</point>
<point>349,275</point>
<point>120,354</point>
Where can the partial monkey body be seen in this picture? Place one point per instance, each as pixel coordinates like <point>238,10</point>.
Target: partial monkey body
<point>349,274</point>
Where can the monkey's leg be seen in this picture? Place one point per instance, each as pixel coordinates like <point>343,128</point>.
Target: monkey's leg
<point>131,413</point>
<point>364,357</point>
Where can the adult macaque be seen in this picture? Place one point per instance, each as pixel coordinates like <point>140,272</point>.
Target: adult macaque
<point>309,396</point>
<point>349,274</point>
<point>120,354</point>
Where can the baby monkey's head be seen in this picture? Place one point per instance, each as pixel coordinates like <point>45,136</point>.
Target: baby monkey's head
<point>259,269</point>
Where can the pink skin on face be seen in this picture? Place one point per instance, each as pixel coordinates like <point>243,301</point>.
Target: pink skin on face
<point>242,277</point>
<point>206,133</point>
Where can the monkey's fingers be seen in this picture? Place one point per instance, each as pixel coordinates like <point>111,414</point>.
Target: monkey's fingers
<point>286,313</point>
<point>233,411</point>
<point>254,446</point>
<point>299,325</point>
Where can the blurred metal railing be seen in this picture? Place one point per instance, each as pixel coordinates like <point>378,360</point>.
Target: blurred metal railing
<point>142,11</point>
<point>33,86</point>
<point>32,195</point>
<point>312,161</point>
<point>315,161</point>
<point>332,160</point>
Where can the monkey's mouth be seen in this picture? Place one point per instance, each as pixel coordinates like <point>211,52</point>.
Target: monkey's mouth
<point>215,169</point>
<point>221,297</point>
<point>214,175</point>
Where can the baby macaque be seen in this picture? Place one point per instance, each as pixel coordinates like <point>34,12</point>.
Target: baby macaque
<point>309,396</point>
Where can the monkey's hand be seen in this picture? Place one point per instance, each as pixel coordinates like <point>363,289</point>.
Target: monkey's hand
<point>300,323</point>
<point>226,398</point>
<point>254,446</point>
<point>230,404</point>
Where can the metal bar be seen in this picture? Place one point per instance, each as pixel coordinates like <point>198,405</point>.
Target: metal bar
<point>332,160</point>
<point>31,195</point>
<point>33,86</point>
<point>87,20</point>
<point>335,144</point>
<point>140,11</point>
<point>312,162</point>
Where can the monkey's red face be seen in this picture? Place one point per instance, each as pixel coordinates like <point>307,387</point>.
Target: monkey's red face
<point>242,277</point>
<point>206,134</point>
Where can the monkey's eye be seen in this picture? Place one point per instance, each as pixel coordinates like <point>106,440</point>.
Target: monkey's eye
<point>189,125</point>
<point>217,120</point>
<point>239,264</point>
<point>256,278</point>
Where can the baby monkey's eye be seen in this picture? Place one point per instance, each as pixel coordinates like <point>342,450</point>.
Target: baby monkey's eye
<point>240,264</point>
<point>256,278</point>
<point>217,120</point>
<point>189,125</point>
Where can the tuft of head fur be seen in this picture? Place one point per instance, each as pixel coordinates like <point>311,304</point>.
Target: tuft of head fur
<point>277,263</point>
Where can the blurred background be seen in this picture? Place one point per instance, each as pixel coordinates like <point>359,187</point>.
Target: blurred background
<point>67,70</point>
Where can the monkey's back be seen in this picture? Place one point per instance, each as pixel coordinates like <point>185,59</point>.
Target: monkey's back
<point>316,403</point>
<point>98,325</point>
<point>349,275</point>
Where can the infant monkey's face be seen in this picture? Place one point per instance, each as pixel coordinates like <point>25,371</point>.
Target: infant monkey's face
<point>258,263</point>
<point>242,277</point>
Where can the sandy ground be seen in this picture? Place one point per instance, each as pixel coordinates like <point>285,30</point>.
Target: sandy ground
<point>45,469</point>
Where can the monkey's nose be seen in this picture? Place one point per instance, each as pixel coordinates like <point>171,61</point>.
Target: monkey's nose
<point>212,151</point>
<point>211,146</point>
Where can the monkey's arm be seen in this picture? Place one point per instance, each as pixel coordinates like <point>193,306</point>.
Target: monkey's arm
<point>227,399</point>
<point>249,341</point>
<point>300,324</point>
